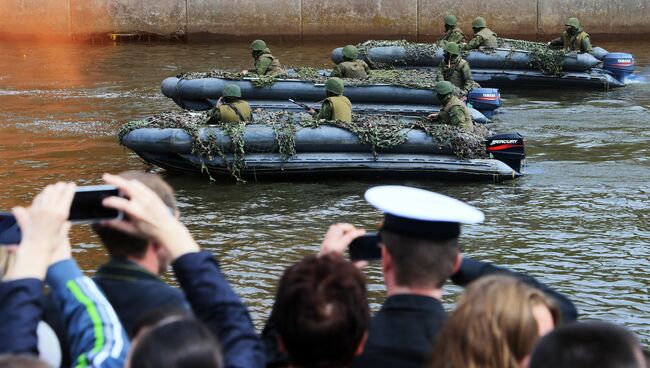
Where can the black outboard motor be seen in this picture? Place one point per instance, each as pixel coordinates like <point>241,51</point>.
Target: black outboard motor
<point>507,148</point>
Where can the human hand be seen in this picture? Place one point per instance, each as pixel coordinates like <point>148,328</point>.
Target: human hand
<point>311,111</point>
<point>463,98</point>
<point>432,116</point>
<point>244,72</point>
<point>338,238</point>
<point>219,102</point>
<point>44,227</point>
<point>148,217</point>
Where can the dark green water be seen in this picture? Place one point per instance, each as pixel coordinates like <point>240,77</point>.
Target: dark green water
<point>579,220</point>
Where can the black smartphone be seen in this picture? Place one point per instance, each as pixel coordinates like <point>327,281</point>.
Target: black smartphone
<point>9,230</point>
<point>87,204</point>
<point>365,248</point>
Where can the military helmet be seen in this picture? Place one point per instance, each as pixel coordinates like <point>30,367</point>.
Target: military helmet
<point>573,22</point>
<point>266,51</point>
<point>334,85</point>
<point>444,88</point>
<point>479,22</point>
<point>450,20</point>
<point>232,90</point>
<point>350,52</point>
<point>452,48</point>
<point>258,45</point>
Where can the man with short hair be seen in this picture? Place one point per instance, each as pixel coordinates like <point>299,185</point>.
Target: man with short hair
<point>573,38</point>
<point>452,32</point>
<point>131,278</point>
<point>483,36</point>
<point>351,67</point>
<point>321,312</point>
<point>586,345</point>
<point>420,251</point>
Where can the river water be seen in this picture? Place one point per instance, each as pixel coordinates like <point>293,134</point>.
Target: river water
<point>579,220</point>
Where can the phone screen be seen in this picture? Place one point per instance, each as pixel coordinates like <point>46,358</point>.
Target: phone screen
<point>87,204</point>
<point>9,230</point>
<point>365,248</point>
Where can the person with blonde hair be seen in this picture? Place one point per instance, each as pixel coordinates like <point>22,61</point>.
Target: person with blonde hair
<point>496,324</point>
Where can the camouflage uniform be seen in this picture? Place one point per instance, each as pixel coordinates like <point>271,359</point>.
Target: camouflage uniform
<point>267,64</point>
<point>454,34</point>
<point>455,112</point>
<point>483,38</point>
<point>573,39</point>
<point>336,108</point>
<point>455,70</point>
<point>357,69</point>
<point>231,109</point>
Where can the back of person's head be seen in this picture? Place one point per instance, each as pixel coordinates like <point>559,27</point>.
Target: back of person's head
<point>321,310</point>
<point>587,345</point>
<point>493,326</point>
<point>420,262</point>
<point>122,245</point>
<point>21,361</point>
<point>175,342</point>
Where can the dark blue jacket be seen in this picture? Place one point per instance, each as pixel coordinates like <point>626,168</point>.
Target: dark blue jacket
<point>21,308</point>
<point>216,304</point>
<point>133,291</point>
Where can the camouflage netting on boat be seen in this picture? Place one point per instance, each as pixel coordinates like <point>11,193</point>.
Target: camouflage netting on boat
<point>542,58</point>
<point>406,78</point>
<point>377,131</point>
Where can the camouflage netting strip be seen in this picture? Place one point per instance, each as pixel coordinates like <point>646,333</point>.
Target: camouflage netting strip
<point>377,131</point>
<point>405,78</point>
<point>542,58</point>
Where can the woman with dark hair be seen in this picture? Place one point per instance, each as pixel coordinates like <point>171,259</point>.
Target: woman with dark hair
<point>496,324</point>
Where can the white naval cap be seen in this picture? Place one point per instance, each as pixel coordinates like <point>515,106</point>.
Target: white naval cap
<point>420,213</point>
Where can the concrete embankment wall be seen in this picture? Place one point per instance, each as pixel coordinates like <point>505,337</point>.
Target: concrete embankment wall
<point>412,19</point>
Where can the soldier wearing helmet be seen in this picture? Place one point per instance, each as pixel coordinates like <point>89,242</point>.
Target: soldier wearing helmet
<point>230,108</point>
<point>351,67</point>
<point>573,38</point>
<point>335,106</point>
<point>483,36</point>
<point>452,32</point>
<point>453,111</point>
<point>453,68</point>
<point>264,62</point>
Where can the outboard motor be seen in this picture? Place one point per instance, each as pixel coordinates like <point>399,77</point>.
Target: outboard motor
<point>507,148</point>
<point>620,64</point>
<point>485,100</point>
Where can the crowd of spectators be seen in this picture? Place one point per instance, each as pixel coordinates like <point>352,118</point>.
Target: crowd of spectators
<point>126,316</point>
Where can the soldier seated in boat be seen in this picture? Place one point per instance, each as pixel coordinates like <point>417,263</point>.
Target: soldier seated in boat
<point>452,32</point>
<point>573,38</point>
<point>230,108</point>
<point>453,111</point>
<point>483,36</point>
<point>264,62</point>
<point>351,67</point>
<point>455,69</point>
<point>335,106</point>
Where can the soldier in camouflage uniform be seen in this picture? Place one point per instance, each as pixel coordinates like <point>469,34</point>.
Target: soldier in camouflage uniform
<point>483,36</point>
<point>452,32</point>
<point>335,106</point>
<point>230,108</point>
<point>453,111</point>
<point>453,68</point>
<point>265,63</point>
<point>573,39</point>
<point>351,67</point>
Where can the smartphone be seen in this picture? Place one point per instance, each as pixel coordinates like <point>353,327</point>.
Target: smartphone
<point>365,248</point>
<point>87,204</point>
<point>9,230</point>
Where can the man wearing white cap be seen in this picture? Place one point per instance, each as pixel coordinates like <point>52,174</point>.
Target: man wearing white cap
<point>420,251</point>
